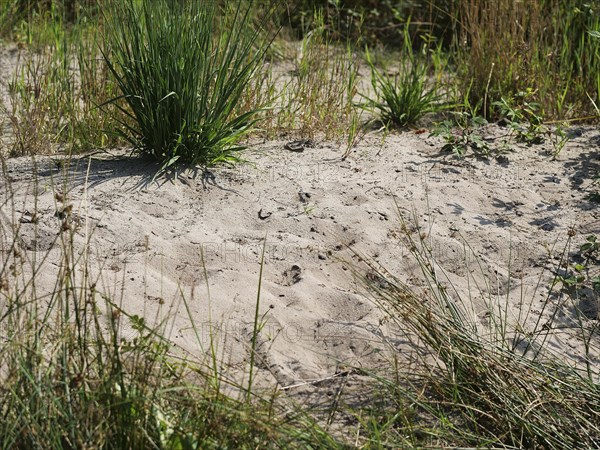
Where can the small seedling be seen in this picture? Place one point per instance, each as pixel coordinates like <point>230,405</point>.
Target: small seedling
<point>523,117</point>
<point>595,196</point>
<point>579,272</point>
<point>591,249</point>
<point>462,135</point>
<point>308,210</point>
<point>558,139</point>
<point>573,278</point>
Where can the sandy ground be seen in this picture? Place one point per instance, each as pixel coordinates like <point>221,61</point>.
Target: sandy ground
<point>496,227</point>
<point>152,241</point>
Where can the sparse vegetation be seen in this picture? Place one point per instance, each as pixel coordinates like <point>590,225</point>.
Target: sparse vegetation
<point>496,385</point>
<point>188,82</point>
<point>317,98</point>
<point>522,117</point>
<point>463,135</point>
<point>578,273</point>
<point>55,90</point>
<point>508,47</point>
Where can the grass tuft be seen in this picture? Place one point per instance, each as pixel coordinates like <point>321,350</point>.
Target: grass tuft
<point>405,98</point>
<point>182,67</point>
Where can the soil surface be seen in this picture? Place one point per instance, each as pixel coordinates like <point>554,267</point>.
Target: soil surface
<point>496,227</point>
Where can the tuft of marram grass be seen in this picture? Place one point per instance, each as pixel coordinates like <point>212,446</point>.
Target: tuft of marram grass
<point>403,99</point>
<point>182,67</point>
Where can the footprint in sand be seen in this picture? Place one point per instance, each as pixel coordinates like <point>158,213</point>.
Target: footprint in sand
<point>292,275</point>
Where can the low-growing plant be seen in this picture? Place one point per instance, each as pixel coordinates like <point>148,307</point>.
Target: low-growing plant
<point>578,272</point>
<point>574,278</point>
<point>558,138</point>
<point>594,196</point>
<point>523,117</point>
<point>182,67</point>
<point>591,249</point>
<point>463,135</point>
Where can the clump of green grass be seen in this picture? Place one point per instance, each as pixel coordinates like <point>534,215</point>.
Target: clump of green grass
<point>182,67</point>
<point>405,98</point>
<point>494,385</point>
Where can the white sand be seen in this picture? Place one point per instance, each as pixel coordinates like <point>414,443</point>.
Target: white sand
<point>148,237</point>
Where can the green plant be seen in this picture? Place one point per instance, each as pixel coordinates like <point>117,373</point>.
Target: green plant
<point>558,138</point>
<point>403,99</point>
<point>464,134</point>
<point>522,116</point>
<point>591,249</point>
<point>182,67</point>
<point>578,272</point>
<point>595,195</point>
<point>574,278</point>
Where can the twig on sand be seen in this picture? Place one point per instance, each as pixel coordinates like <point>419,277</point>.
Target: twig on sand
<point>344,373</point>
